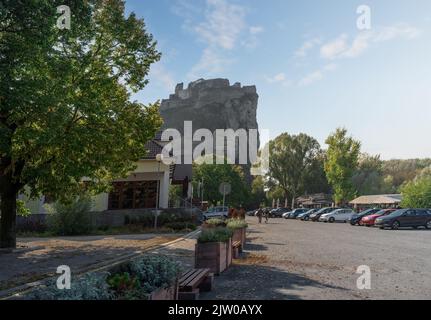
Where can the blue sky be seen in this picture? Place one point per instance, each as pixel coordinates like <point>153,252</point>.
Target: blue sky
<point>314,70</point>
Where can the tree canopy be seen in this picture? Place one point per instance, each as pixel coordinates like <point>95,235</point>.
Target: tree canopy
<point>417,193</point>
<point>213,175</point>
<point>65,109</point>
<point>292,159</point>
<point>341,162</point>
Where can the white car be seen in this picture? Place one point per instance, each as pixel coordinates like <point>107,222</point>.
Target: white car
<point>340,215</point>
<point>216,212</point>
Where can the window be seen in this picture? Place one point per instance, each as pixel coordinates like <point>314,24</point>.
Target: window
<point>133,195</point>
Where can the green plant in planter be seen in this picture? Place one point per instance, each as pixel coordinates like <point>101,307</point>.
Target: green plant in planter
<point>236,224</point>
<point>126,287</point>
<point>92,286</point>
<point>215,223</point>
<point>215,235</point>
<point>154,272</point>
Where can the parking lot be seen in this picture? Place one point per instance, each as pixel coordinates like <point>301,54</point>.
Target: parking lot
<point>291,259</point>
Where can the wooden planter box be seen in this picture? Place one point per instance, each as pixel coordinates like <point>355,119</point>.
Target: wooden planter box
<point>229,253</point>
<point>212,256</point>
<point>240,235</point>
<point>170,293</point>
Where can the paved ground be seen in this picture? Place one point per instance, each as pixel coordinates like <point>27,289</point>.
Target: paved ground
<point>290,259</point>
<point>43,256</point>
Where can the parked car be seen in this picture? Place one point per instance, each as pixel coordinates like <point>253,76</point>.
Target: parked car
<point>340,215</point>
<point>413,218</point>
<point>294,213</point>
<point>251,213</point>
<point>216,212</point>
<point>315,216</point>
<point>356,218</point>
<point>306,215</point>
<point>278,213</point>
<point>369,221</point>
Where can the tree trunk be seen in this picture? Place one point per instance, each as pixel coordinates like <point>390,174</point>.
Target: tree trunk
<point>8,217</point>
<point>293,201</point>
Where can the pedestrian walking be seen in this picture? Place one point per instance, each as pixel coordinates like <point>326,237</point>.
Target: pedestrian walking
<point>259,214</point>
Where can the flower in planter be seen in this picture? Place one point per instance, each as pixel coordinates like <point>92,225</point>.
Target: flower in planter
<point>236,224</point>
<point>215,235</point>
<point>215,223</point>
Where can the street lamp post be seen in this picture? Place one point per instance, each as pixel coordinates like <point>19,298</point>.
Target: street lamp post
<point>159,159</point>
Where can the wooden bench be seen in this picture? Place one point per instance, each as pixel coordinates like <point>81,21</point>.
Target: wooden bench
<point>193,282</point>
<point>236,249</point>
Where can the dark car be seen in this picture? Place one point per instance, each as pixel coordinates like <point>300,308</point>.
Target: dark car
<point>356,218</point>
<point>278,213</point>
<point>316,216</point>
<point>295,213</point>
<point>413,218</point>
<point>306,215</point>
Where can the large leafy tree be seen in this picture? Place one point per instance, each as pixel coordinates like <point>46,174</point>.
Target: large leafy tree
<point>368,178</point>
<point>212,175</point>
<point>417,193</point>
<point>292,158</point>
<point>341,163</point>
<point>65,109</point>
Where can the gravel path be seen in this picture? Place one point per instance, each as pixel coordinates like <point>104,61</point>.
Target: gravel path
<point>289,259</point>
<point>41,257</point>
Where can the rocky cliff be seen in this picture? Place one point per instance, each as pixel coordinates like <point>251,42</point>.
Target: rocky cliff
<point>211,104</point>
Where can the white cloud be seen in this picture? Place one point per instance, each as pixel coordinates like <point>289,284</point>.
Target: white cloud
<point>210,64</point>
<point>223,24</point>
<point>341,48</point>
<point>316,75</point>
<point>307,46</point>
<point>256,30</point>
<point>335,47</point>
<point>162,76</point>
<point>222,29</point>
<point>279,78</point>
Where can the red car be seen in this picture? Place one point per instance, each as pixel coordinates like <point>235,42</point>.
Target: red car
<point>370,220</point>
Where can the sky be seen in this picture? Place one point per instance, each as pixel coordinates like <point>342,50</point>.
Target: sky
<point>314,69</point>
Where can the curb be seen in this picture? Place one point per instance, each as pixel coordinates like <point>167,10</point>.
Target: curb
<point>14,293</point>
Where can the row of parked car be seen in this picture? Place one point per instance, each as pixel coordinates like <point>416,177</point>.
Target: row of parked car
<point>382,218</point>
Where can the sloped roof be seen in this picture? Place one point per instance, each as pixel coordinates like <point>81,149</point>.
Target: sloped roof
<point>153,149</point>
<point>379,199</point>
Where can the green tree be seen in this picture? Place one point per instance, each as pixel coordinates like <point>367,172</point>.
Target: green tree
<point>213,175</point>
<point>341,163</point>
<point>417,193</point>
<point>65,109</point>
<point>292,156</point>
<point>368,178</point>
<point>258,193</point>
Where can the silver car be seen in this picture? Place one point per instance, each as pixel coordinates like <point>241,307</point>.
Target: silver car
<point>340,215</point>
<point>216,212</point>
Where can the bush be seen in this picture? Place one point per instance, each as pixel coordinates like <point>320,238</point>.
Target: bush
<point>154,272</point>
<point>417,193</point>
<point>93,286</point>
<point>70,219</point>
<point>180,226</point>
<point>236,224</point>
<point>215,223</point>
<point>134,280</point>
<point>215,235</point>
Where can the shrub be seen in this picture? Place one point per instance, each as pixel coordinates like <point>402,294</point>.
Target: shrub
<point>154,272</point>
<point>126,287</point>
<point>70,219</point>
<point>236,224</point>
<point>215,223</point>
<point>215,235</point>
<point>179,226</point>
<point>417,193</point>
<point>93,286</point>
